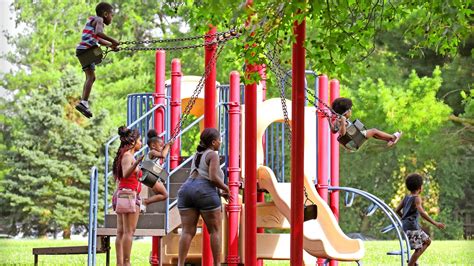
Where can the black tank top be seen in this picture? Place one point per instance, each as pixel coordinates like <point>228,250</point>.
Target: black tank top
<point>410,214</point>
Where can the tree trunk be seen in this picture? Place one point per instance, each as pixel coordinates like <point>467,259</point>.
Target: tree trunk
<point>42,230</point>
<point>364,226</point>
<point>67,233</point>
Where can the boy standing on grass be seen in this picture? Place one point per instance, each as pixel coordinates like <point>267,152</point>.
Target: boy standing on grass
<point>92,35</point>
<point>409,210</point>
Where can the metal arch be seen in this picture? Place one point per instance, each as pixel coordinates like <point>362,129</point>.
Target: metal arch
<point>388,212</point>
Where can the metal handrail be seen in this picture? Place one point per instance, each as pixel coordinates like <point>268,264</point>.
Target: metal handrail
<point>107,145</point>
<point>93,206</point>
<point>388,212</point>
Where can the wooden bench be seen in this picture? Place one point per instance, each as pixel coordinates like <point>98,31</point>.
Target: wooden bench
<point>103,246</point>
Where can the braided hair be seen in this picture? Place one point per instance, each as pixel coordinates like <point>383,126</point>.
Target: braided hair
<point>128,138</point>
<point>207,136</point>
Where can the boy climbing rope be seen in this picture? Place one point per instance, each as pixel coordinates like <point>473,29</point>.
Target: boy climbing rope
<point>341,124</point>
<point>412,207</point>
<point>89,53</point>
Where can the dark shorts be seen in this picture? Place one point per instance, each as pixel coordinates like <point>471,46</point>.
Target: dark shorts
<point>199,194</point>
<point>81,52</point>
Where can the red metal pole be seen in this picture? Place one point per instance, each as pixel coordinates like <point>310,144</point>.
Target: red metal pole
<point>250,193</point>
<point>334,196</point>
<point>175,109</point>
<point>323,141</point>
<point>159,95</point>
<point>159,98</point>
<point>261,195</point>
<point>209,121</point>
<point>233,208</point>
<point>297,143</point>
<point>323,145</point>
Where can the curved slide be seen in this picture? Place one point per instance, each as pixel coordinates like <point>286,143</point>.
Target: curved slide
<point>323,237</point>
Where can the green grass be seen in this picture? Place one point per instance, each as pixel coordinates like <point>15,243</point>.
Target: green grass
<point>19,252</point>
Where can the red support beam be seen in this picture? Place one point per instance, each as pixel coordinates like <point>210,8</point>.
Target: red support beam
<point>250,192</point>
<point>175,105</point>
<point>263,84</point>
<point>159,98</point>
<point>334,197</point>
<point>209,121</point>
<point>233,208</point>
<point>159,95</point>
<point>323,141</point>
<point>297,142</point>
<point>323,145</point>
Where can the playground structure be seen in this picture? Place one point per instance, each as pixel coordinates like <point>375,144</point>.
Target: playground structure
<point>253,150</point>
<point>322,238</point>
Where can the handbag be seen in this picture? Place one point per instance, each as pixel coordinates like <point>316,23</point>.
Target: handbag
<point>126,201</point>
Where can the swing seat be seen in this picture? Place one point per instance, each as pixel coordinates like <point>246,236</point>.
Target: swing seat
<point>152,172</point>
<point>310,212</point>
<point>354,138</point>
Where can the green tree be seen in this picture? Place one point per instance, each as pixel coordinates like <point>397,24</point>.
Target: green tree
<point>50,158</point>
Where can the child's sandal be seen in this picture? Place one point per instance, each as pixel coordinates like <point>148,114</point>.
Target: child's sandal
<point>397,135</point>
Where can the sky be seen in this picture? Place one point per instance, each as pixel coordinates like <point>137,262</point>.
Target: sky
<point>6,24</point>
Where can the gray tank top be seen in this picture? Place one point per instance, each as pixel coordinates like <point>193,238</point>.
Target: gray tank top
<point>410,214</point>
<point>203,168</point>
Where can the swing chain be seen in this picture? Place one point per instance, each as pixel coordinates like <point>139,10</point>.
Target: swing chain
<point>220,38</point>
<point>197,91</point>
<point>278,73</point>
<point>307,197</point>
<point>283,76</point>
<point>182,39</point>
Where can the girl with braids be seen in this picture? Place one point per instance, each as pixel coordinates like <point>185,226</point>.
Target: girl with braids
<point>199,196</point>
<point>126,172</point>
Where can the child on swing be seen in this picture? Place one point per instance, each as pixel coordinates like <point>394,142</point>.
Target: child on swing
<point>158,151</point>
<point>93,35</point>
<point>343,107</point>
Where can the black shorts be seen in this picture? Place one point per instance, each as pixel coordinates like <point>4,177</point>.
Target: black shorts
<point>89,57</point>
<point>199,194</point>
